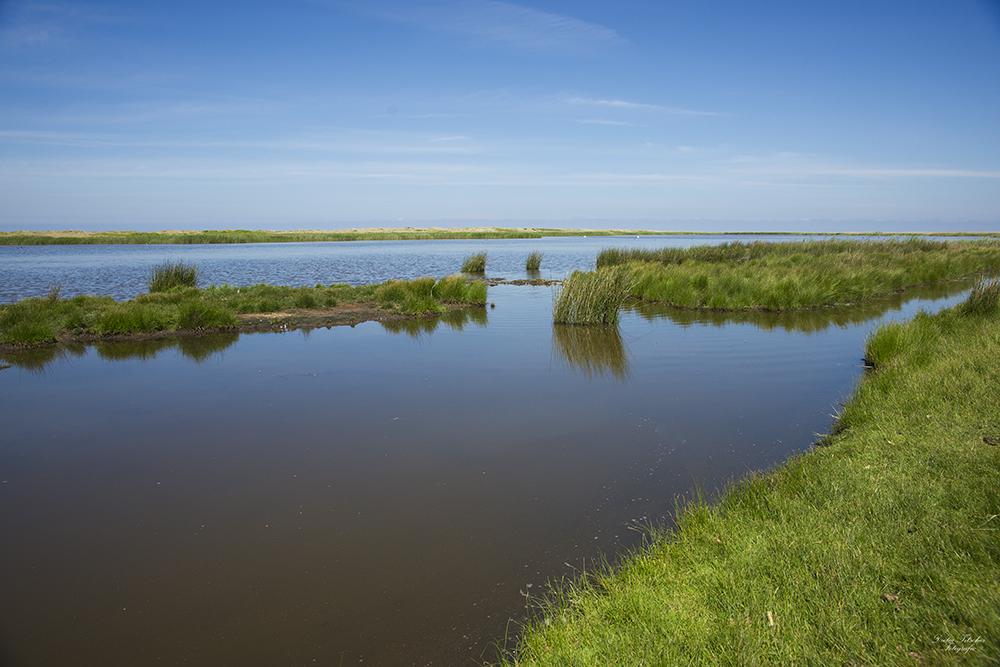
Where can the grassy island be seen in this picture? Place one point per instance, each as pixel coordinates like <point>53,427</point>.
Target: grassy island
<point>787,276</point>
<point>175,304</point>
<point>880,548</point>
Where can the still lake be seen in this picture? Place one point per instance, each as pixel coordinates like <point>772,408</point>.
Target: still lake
<point>388,494</point>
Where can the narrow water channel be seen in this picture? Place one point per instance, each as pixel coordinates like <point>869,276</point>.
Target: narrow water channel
<point>388,495</point>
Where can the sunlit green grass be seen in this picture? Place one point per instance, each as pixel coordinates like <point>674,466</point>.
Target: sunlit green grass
<point>169,274</point>
<point>475,263</point>
<point>592,298</point>
<point>784,276</point>
<point>880,548</point>
<point>534,261</point>
<point>38,321</point>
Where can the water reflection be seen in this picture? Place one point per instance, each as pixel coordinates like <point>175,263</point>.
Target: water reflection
<point>597,351</point>
<point>805,321</point>
<point>196,348</point>
<point>456,320</point>
<point>36,360</point>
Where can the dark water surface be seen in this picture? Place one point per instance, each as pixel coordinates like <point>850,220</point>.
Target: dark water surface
<point>383,494</point>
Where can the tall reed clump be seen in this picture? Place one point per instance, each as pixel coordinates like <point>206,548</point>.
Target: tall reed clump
<point>984,299</point>
<point>592,298</point>
<point>534,261</point>
<point>474,263</point>
<point>169,275</point>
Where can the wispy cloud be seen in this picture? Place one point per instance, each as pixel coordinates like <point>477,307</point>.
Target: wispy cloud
<point>499,22</point>
<point>597,121</point>
<point>622,104</point>
<point>907,173</point>
<point>44,24</point>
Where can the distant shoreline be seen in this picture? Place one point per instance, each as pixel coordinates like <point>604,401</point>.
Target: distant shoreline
<point>180,237</point>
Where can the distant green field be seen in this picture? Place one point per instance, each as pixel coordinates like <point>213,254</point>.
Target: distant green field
<point>256,236</point>
<point>71,237</point>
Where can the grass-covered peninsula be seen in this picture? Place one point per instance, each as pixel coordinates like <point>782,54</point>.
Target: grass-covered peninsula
<point>175,303</point>
<point>791,275</point>
<point>880,548</point>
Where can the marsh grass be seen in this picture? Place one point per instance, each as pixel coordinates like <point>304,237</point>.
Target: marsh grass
<point>54,293</point>
<point>170,275</point>
<point>40,321</point>
<point>592,298</point>
<point>984,298</point>
<point>783,276</point>
<point>534,261</point>
<point>475,263</point>
<point>878,549</point>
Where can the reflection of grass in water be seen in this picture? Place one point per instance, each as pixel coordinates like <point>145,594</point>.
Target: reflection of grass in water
<point>415,328</point>
<point>455,319</point>
<point>596,350</point>
<point>126,350</point>
<point>200,348</point>
<point>806,320</point>
<point>195,348</point>
<point>35,360</point>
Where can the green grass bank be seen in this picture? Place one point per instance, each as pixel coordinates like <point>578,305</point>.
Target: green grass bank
<point>41,321</point>
<point>786,276</point>
<point>880,548</point>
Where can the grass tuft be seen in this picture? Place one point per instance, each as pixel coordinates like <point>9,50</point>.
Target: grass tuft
<point>534,261</point>
<point>474,263</point>
<point>592,298</point>
<point>984,299</point>
<point>168,275</point>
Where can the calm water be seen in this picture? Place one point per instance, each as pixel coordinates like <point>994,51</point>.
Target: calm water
<point>122,271</point>
<point>383,494</point>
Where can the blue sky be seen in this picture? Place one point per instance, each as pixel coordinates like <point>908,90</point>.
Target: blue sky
<point>704,115</point>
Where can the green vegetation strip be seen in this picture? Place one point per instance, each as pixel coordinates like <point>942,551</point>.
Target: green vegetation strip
<point>258,236</point>
<point>784,276</point>
<point>46,320</point>
<point>881,548</point>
